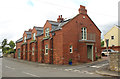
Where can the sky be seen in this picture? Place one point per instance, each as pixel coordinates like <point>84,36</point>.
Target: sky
<point>16,16</point>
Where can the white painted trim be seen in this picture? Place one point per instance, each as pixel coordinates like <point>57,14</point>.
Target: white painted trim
<point>89,44</point>
<point>92,54</point>
<point>92,49</point>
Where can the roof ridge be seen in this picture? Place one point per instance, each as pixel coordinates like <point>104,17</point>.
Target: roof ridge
<point>53,21</point>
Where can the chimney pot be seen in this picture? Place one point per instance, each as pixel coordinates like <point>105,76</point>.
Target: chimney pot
<point>82,10</point>
<point>60,19</point>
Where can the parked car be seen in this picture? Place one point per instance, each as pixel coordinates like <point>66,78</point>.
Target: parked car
<point>1,54</point>
<point>107,51</point>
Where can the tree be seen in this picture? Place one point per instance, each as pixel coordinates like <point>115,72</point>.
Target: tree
<point>12,44</point>
<point>102,43</point>
<point>4,42</point>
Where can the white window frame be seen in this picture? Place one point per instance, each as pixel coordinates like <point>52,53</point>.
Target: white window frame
<point>47,32</point>
<point>24,39</point>
<point>46,49</point>
<point>84,33</point>
<point>33,36</point>
<point>33,50</point>
<point>71,49</point>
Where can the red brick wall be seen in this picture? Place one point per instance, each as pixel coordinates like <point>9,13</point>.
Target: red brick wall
<point>40,47</point>
<point>18,46</point>
<point>71,33</point>
<point>28,50</point>
<point>58,48</point>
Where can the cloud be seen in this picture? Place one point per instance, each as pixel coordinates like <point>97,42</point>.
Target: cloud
<point>16,16</point>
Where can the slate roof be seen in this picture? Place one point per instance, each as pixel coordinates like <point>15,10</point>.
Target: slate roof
<point>58,26</point>
<point>39,34</point>
<point>39,30</point>
<point>28,33</point>
<point>19,40</point>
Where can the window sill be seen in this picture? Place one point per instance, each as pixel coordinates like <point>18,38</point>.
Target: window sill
<point>46,54</point>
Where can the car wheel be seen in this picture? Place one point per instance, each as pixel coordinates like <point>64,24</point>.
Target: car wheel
<point>103,54</point>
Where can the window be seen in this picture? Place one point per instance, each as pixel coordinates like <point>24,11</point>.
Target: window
<point>33,36</point>
<point>84,33</point>
<point>25,39</point>
<point>112,37</point>
<point>95,49</point>
<point>47,32</point>
<point>33,50</point>
<point>46,49</point>
<point>71,49</point>
<point>24,51</point>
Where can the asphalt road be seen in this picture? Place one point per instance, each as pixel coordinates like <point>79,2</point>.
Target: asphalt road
<point>14,68</point>
<point>0,67</point>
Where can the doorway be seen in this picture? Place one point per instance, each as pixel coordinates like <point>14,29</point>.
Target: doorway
<point>18,53</point>
<point>90,52</point>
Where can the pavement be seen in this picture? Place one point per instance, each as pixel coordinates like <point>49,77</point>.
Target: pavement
<point>106,72</point>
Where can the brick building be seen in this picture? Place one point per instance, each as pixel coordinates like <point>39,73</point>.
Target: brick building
<point>59,41</point>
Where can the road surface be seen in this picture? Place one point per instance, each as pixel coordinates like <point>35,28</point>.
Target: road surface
<point>14,68</point>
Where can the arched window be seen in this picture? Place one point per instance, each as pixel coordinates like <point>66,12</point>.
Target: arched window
<point>47,32</point>
<point>33,36</point>
<point>46,49</point>
<point>33,50</point>
<point>25,39</point>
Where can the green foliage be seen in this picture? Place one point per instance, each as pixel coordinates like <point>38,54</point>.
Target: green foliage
<point>70,60</point>
<point>5,49</point>
<point>102,43</point>
<point>10,49</point>
<point>96,57</point>
<point>4,42</point>
<point>11,44</point>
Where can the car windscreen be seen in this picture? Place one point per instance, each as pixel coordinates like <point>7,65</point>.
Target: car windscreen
<point>104,50</point>
<point>109,50</point>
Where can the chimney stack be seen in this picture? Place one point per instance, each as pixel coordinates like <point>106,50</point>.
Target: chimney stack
<point>82,10</point>
<point>30,30</point>
<point>60,19</point>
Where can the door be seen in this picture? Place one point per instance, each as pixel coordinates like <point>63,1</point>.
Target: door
<point>18,53</point>
<point>90,52</point>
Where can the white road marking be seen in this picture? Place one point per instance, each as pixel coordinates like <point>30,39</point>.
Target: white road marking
<point>9,67</point>
<point>76,70</point>
<point>30,74</point>
<point>87,72</point>
<point>100,65</point>
<point>68,69</point>
<point>96,66</point>
<point>105,64</point>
